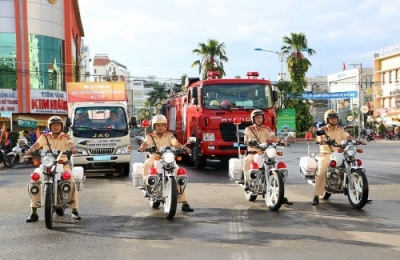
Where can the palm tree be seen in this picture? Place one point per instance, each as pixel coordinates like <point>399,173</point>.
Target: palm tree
<point>298,66</point>
<point>212,56</point>
<point>159,93</point>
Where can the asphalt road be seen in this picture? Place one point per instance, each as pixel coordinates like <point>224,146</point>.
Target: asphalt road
<point>118,223</point>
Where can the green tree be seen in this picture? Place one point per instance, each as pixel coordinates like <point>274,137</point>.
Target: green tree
<point>212,56</point>
<point>159,93</point>
<point>298,66</point>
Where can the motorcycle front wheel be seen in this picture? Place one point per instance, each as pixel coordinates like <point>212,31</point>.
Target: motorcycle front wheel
<point>48,205</point>
<point>171,198</point>
<point>275,191</point>
<point>9,161</point>
<point>357,189</point>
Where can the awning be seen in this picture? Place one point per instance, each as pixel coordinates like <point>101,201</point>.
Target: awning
<point>34,120</point>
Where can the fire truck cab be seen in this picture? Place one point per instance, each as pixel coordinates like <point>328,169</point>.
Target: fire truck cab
<point>206,110</point>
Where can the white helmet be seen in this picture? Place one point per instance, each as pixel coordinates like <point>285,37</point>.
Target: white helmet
<point>55,119</point>
<point>158,119</point>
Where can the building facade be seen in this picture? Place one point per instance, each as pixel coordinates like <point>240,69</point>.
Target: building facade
<point>40,44</point>
<point>386,85</point>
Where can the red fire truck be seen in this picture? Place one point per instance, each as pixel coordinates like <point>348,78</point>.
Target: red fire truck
<point>206,110</point>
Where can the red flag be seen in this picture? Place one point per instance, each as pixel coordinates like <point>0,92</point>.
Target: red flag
<point>344,66</point>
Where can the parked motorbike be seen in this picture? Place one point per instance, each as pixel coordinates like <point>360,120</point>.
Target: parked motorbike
<point>371,137</point>
<point>17,155</point>
<point>165,181</point>
<point>266,175</point>
<point>138,139</point>
<point>55,184</point>
<point>2,154</point>
<point>344,175</point>
<point>389,135</point>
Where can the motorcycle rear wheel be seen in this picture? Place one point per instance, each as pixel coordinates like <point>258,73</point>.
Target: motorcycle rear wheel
<point>275,191</point>
<point>9,161</point>
<point>326,195</point>
<point>48,205</point>
<point>171,198</point>
<point>357,189</point>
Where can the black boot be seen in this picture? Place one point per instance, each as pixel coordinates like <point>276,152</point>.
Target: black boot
<point>315,201</point>
<point>32,218</point>
<point>186,207</point>
<point>286,201</point>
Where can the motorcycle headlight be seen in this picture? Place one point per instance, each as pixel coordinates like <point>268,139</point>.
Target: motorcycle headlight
<point>351,150</point>
<point>123,149</point>
<point>208,137</point>
<point>48,161</point>
<point>168,157</point>
<point>270,152</point>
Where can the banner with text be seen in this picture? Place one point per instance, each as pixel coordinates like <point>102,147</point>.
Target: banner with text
<point>95,91</point>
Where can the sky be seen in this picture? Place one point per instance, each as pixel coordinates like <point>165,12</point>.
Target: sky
<point>156,37</point>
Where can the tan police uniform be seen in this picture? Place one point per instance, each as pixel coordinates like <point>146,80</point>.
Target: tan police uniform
<point>61,143</point>
<point>167,139</point>
<point>338,134</point>
<point>255,133</point>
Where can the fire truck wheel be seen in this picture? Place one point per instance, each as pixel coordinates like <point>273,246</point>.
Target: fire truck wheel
<point>198,160</point>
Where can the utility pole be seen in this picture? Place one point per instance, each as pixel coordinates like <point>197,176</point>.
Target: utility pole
<point>360,97</point>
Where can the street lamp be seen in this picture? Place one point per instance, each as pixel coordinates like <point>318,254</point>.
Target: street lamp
<point>281,58</point>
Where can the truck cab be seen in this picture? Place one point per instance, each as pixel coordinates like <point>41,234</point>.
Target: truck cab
<point>101,135</point>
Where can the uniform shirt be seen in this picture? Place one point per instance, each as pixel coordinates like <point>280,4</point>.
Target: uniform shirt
<point>337,133</point>
<point>61,143</point>
<point>251,133</point>
<point>167,139</point>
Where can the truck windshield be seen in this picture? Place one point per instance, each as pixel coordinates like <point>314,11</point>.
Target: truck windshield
<point>110,120</point>
<point>237,96</point>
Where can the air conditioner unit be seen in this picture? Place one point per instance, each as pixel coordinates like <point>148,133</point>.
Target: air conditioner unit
<point>114,78</point>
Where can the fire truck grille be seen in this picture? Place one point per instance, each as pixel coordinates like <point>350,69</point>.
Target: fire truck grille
<point>228,131</point>
<point>101,151</point>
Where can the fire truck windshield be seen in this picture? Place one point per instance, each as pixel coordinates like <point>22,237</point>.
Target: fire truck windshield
<point>237,96</point>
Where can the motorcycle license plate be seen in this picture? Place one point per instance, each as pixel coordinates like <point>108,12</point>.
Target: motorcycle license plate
<point>102,158</point>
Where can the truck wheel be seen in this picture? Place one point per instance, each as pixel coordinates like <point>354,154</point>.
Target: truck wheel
<point>198,160</point>
<point>124,170</point>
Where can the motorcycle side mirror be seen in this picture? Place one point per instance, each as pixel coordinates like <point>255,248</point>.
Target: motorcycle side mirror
<point>320,132</point>
<point>240,133</point>
<point>192,140</point>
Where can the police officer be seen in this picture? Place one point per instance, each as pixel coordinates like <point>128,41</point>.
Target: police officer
<point>161,138</point>
<point>55,140</point>
<point>337,133</point>
<point>260,133</point>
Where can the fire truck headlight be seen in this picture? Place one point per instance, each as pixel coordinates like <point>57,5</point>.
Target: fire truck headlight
<point>123,149</point>
<point>208,137</point>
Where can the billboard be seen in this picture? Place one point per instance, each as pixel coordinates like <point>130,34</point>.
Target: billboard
<point>286,122</point>
<point>95,91</point>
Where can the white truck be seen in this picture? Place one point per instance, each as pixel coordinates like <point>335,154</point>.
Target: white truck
<point>103,144</point>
